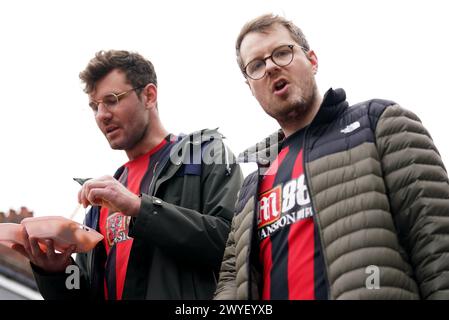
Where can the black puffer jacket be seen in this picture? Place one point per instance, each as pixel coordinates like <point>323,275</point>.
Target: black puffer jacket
<point>381,197</point>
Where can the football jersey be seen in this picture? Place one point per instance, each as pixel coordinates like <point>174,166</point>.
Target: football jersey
<point>290,249</point>
<point>136,176</point>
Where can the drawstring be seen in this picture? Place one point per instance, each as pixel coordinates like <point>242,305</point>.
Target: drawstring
<point>228,166</point>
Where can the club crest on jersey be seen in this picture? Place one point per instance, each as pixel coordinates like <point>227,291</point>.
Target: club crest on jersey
<point>117,228</point>
<point>269,207</point>
<point>283,205</point>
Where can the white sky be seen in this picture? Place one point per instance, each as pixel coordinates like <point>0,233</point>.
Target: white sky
<point>396,50</point>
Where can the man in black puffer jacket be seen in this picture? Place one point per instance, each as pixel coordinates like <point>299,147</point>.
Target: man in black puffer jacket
<point>347,203</point>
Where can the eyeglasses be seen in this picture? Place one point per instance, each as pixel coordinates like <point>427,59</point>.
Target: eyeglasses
<point>281,56</point>
<point>111,100</point>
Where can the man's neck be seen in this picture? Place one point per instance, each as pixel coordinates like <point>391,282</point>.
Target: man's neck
<point>292,125</point>
<point>150,140</point>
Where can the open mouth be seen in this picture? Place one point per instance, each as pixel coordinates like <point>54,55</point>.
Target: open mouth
<point>279,85</point>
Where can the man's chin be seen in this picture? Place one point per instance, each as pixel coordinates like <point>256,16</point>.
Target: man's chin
<point>289,111</point>
<point>115,146</point>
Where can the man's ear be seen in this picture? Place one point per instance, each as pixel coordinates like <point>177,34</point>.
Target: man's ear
<point>249,85</point>
<point>313,60</point>
<point>150,95</point>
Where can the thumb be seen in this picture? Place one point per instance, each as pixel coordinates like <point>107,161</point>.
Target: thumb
<point>70,250</point>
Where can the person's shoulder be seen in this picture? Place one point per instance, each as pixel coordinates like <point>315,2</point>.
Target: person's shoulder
<point>250,183</point>
<point>374,108</point>
<point>201,136</point>
<point>251,179</point>
<point>247,191</point>
<point>373,104</point>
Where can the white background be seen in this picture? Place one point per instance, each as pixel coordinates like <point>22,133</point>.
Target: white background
<point>396,50</point>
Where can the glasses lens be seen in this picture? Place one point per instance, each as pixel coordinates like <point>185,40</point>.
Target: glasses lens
<point>256,69</point>
<point>110,100</point>
<point>282,56</point>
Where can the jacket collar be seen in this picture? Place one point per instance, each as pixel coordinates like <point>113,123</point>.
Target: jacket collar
<point>264,152</point>
<point>334,103</point>
<point>182,141</point>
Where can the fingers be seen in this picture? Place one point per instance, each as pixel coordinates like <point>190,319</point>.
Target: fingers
<point>20,249</point>
<point>79,196</point>
<point>84,198</point>
<point>26,241</point>
<point>30,248</point>
<point>66,255</point>
<point>36,251</point>
<point>50,249</point>
<point>64,258</point>
<point>46,258</point>
<point>84,195</point>
<point>108,192</point>
<point>99,196</point>
<point>105,191</point>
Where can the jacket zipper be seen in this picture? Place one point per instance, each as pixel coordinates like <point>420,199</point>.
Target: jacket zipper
<point>160,167</point>
<point>315,213</point>
<point>155,177</point>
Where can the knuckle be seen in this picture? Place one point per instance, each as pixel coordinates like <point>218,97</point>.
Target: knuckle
<point>90,194</point>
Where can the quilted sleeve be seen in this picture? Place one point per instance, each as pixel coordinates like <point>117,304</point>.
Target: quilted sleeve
<point>418,189</point>
<point>226,287</point>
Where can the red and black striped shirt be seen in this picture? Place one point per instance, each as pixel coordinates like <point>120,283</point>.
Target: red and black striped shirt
<point>290,251</point>
<point>137,176</point>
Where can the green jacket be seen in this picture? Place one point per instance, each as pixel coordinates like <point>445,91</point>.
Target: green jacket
<point>380,194</point>
<point>179,233</point>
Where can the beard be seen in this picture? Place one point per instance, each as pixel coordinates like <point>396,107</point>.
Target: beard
<point>298,109</point>
<point>128,142</point>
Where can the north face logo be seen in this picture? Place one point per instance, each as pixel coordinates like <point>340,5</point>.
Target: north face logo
<point>349,128</point>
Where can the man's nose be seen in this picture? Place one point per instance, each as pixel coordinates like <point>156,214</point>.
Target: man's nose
<point>103,112</point>
<point>270,66</point>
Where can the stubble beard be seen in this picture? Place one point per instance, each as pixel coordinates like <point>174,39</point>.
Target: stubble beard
<point>297,109</point>
<point>130,142</point>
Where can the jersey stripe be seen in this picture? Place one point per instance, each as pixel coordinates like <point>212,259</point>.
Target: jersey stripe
<point>320,279</point>
<point>265,255</point>
<point>270,175</point>
<point>279,240</point>
<point>302,285</point>
<point>265,249</point>
<point>110,274</point>
<point>298,166</point>
<point>301,251</point>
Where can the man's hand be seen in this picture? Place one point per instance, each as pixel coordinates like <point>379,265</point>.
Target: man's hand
<point>48,260</point>
<point>108,192</point>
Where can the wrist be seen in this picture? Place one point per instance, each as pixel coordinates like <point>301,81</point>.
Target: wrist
<point>135,207</point>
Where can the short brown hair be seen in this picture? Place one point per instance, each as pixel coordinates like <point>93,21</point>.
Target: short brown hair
<point>138,70</point>
<point>264,22</point>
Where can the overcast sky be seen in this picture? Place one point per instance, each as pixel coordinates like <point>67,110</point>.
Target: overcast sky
<point>396,50</point>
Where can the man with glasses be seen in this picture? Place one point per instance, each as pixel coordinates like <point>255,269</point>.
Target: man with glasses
<point>165,214</point>
<point>347,203</point>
